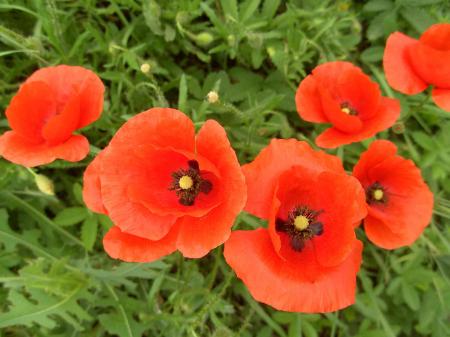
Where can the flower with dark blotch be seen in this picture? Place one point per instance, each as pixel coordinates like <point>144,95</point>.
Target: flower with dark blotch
<point>165,188</point>
<point>412,65</point>
<point>308,257</point>
<point>340,94</point>
<point>50,106</point>
<point>400,203</point>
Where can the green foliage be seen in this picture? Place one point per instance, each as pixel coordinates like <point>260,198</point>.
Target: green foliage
<point>55,278</point>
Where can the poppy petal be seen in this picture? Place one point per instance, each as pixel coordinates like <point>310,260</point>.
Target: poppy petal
<point>408,204</point>
<point>157,128</point>
<point>131,217</point>
<point>326,74</point>
<point>338,198</point>
<point>125,159</point>
<point>397,67</point>
<point>283,286</point>
<point>198,236</point>
<point>29,109</point>
<point>66,81</point>
<point>360,92</point>
<point>379,150</point>
<point>92,194</point>
<point>152,187</point>
<point>130,248</point>
<point>60,126</point>
<point>431,65</point>
<point>388,112</point>
<point>20,151</point>
<point>442,98</point>
<point>262,174</point>
<point>437,36</point>
<point>344,206</point>
<point>308,103</point>
<point>340,120</point>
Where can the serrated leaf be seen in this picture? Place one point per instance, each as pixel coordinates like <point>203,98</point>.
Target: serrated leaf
<point>23,311</point>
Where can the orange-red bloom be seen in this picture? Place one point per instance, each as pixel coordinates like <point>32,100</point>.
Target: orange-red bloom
<point>307,259</point>
<point>165,188</point>
<point>339,93</point>
<point>51,104</point>
<point>412,65</point>
<point>400,203</point>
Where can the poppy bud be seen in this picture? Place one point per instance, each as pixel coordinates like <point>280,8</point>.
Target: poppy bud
<point>212,97</point>
<point>145,68</point>
<point>204,39</point>
<point>44,184</point>
<point>398,127</point>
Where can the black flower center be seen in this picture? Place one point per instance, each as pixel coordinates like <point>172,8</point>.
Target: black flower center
<point>348,109</point>
<point>376,193</point>
<point>188,183</point>
<point>301,225</point>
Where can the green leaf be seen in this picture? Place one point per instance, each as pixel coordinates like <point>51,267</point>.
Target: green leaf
<point>378,5</point>
<point>89,232</point>
<point>182,93</point>
<point>248,9</point>
<point>71,216</point>
<point>411,296</point>
<point>152,13</point>
<point>40,308</point>
<point>270,8</point>
<point>230,8</point>
<point>417,18</point>
<point>372,54</point>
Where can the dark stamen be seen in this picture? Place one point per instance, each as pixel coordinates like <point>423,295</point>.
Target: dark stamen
<point>374,192</point>
<point>187,195</point>
<point>193,164</point>
<point>347,106</point>
<point>297,243</point>
<point>317,228</point>
<point>298,237</point>
<point>205,186</point>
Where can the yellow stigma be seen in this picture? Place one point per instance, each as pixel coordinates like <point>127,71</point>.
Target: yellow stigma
<point>185,182</point>
<point>346,110</point>
<point>301,222</point>
<point>378,194</point>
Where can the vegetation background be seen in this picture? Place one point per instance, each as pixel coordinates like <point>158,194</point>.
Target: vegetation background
<point>56,280</point>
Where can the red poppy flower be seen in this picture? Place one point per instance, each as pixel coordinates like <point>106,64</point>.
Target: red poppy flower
<point>412,65</point>
<point>51,104</point>
<point>307,259</point>
<point>339,93</point>
<point>166,188</point>
<point>400,203</point>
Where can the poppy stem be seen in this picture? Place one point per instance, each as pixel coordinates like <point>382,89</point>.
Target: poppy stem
<point>38,216</point>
